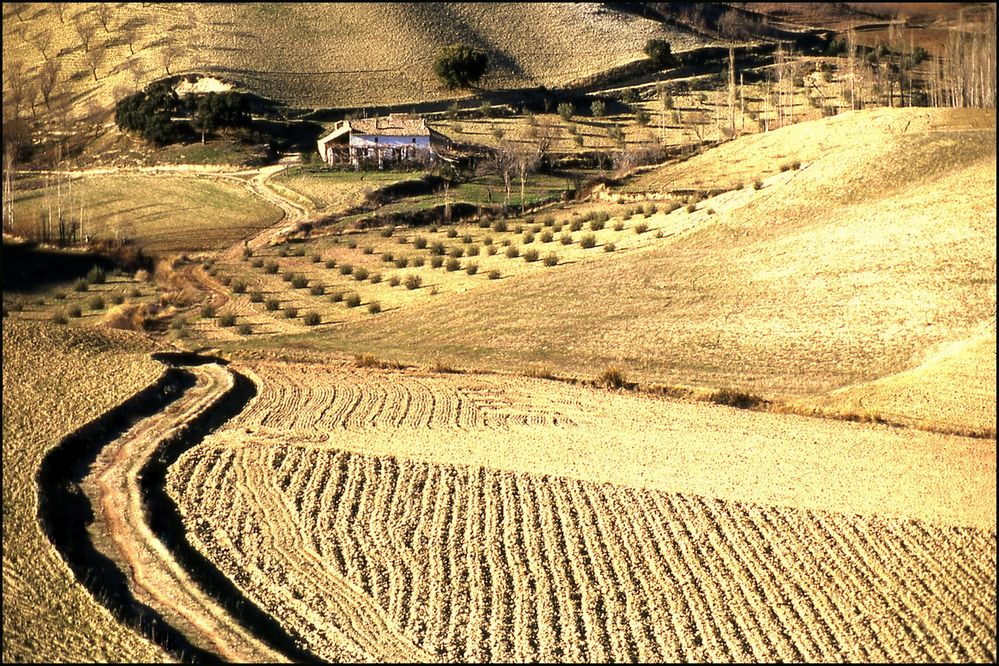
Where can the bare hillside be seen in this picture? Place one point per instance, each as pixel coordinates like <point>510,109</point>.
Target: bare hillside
<point>844,271</point>
<point>317,55</point>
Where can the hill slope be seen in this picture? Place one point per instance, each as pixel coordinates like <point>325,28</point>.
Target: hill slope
<point>845,271</point>
<point>324,55</point>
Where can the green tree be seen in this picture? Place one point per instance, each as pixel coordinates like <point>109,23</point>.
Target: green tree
<point>460,66</point>
<point>660,53</point>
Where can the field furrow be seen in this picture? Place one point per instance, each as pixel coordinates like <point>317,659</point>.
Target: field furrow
<point>363,554</point>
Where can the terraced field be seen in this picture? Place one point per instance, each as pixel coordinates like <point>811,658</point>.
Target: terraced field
<point>335,503</point>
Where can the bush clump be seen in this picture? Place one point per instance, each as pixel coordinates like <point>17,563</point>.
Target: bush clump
<point>375,278</point>
<point>368,250</point>
<point>452,233</point>
<point>436,261</point>
<point>272,304</point>
<point>317,289</point>
<point>691,208</point>
<point>96,275</point>
<point>437,249</point>
<point>452,265</point>
<point>512,252</point>
<point>609,247</point>
<point>345,269</point>
<point>329,263</point>
<point>95,303</point>
<point>81,285</point>
<point>413,282</point>
<point>472,250</point>
<point>457,252</point>
<point>587,241</point>
<point>641,228</point>
<point>228,319</point>
<point>244,329</point>
<point>336,297</point>
<point>374,307</point>
<point>239,287</point>
<point>551,259</point>
<point>360,273</point>
<point>531,256</point>
<point>419,242</point>
<point>493,274</point>
<point>207,310</point>
<point>117,299</point>
<point>257,263</point>
<point>612,377</point>
<point>472,268</point>
<point>311,318</point>
<point>352,300</point>
<point>417,261</point>
<point>299,282</point>
<point>500,226</point>
<point>394,281</point>
<point>528,238</point>
<point>290,312</point>
<point>74,311</point>
<point>271,267</point>
<point>256,296</point>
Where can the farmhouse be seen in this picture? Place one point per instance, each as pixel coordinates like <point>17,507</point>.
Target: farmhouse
<point>377,141</point>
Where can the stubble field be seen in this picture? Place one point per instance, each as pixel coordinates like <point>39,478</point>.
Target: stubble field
<point>341,509</point>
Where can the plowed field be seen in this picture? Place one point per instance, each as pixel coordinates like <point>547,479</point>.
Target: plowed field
<point>389,515</point>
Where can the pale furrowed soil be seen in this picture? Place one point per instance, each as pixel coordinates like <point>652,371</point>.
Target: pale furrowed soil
<point>336,503</point>
<point>121,529</point>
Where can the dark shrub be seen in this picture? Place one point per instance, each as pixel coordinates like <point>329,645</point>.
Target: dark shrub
<point>609,247</point>
<point>419,242</point>
<point>346,269</point>
<point>368,250</point>
<point>97,275</point>
<point>472,268</point>
<point>299,282</point>
<point>457,252</point>
<point>493,274</point>
<point>352,300</point>
<point>317,289</point>
<point>360,273</point>
<point>531,256</point>
<point>336,297</point>
<point>587,241</point>
<point>239,287</point>
<point>460,65</point>
<point>375,278</point>
<point>413,282</point>
<point>245,329</point>
<point>271,267</point>
<point>81,285</point>
<point>512,252</point>
<point>374,307</point>
<point>551,259</point>
<point>436,261</point>
<point>452,265</point>
<point>290,312</point>
<point>95,303</point>
<point>227,319</point>
<point>311,318</point>
<point>641,228</point>
<point>74,311</point>
<point>256,297</point>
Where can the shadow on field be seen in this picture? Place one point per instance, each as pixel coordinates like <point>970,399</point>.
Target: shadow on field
<point>27,268</point>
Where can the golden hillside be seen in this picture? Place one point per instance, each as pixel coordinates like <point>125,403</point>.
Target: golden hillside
<point>319,55</point>
<point>844,271</point>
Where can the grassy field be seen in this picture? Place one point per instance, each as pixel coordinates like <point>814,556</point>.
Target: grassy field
<point>740,292</point>
<point>162,212</point>
<point>337,190</point>
<point>55,380</point>
<point>618,534</point>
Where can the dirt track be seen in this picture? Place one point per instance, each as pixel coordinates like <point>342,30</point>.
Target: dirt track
<point>121,528</point>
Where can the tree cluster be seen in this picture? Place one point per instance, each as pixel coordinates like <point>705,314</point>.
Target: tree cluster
<point>150,113</point>
<point>460,66</point>
<point>660,53</point>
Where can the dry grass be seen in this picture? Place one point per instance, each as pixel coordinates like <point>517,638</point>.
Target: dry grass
<point>55,379</point>
<point>333,55</point>
<point>161,212</point>
<point>799,288</point>
<point>596,542</point>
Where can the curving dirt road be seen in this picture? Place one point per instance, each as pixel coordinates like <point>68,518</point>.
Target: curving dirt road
<point>121,527</point>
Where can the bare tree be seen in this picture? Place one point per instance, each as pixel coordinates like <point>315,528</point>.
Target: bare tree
<point>43,41</point>
<point>17,9</point>
<point>85,31</point>
<point>731,87</point>
<point>129,35</point>
<point>168,55</point>
<point>48,79</point>
<point>134,68</point>
<point>60,10</point>
<point>95,117</point>
<point>104,12</point>
<point>94,59</point>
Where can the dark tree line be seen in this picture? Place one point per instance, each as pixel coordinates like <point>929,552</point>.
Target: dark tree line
<point>153,113</point>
